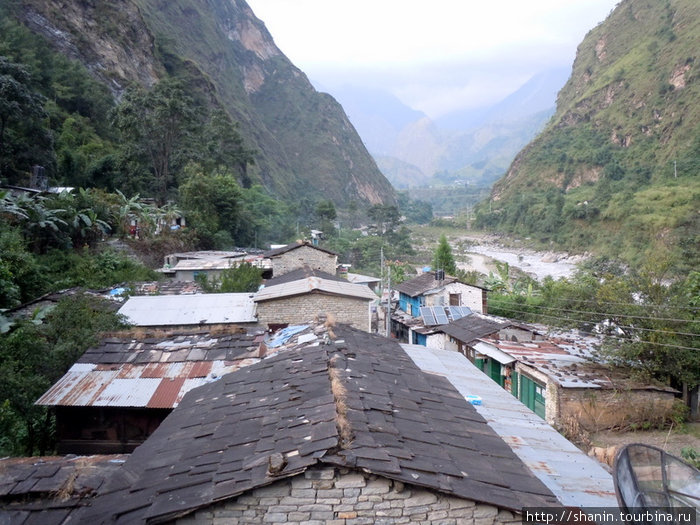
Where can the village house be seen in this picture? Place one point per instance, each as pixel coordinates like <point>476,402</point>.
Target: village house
<point>350,431</point>
<point>334,426</point>
<point>438,289</point>
<point>187,266</point>
<point>301,295</point>
<point>558,381</point>
<point>297,255</point>
<point>432,299</point>
<point>119,391</point>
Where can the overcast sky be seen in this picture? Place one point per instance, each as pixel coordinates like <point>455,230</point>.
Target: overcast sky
<point>437,55</point>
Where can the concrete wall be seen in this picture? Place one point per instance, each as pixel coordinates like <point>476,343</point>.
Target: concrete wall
<point>471,297</point>
<point>304,256</point>
<point>325,496</point>
<point>305,308</point>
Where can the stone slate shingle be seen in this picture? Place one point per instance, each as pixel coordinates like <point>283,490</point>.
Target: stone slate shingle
<point>295,410</point>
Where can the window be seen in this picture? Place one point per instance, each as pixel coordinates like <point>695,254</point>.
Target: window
<point>455,299</point>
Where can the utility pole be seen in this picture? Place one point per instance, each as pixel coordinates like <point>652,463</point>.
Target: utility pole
<point>675,172</point>
<point>388,307</point>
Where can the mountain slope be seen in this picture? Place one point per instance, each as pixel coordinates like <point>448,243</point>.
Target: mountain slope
<point>617,167</point>
<point>307,146</point>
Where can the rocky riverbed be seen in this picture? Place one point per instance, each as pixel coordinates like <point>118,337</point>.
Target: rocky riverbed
<point>484,250</point>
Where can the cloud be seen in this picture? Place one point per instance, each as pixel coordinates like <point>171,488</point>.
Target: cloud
<point>436,56</point>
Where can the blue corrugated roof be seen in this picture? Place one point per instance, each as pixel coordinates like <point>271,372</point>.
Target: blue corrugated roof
<point>574,478</point>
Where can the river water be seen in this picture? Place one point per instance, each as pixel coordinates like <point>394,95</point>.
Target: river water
<point>537,264</point>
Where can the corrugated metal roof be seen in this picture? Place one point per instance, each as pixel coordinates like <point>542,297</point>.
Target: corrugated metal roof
<point>314,284</point>
<point>493,352</point>
<point>357,278</point>
<point>575,479</point>
<point>566,369</point>
<point>152,385</point>
<point>182,310</point>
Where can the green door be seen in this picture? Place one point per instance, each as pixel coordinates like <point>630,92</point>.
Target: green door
<point>532,395</point>
<point>495,371</point>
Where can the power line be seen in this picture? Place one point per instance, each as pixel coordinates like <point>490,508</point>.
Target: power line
<point>608,335</point>
<point>639,305</point>
<point>604,314</point>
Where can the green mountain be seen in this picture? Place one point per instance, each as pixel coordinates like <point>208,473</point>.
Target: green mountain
<point>616,170</point>
<point>306,146</point>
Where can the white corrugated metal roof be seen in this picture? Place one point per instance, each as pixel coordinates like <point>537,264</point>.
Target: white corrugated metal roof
<point>198,309</point>
<point>311,284</point>
<point>493,352</point>
<point>357,278</point>
<point>575,479</point>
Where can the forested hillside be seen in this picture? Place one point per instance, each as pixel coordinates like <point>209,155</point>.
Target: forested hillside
<point>617,168</point>
<point>216,68</point>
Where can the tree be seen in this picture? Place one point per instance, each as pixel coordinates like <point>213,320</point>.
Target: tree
<point>33,356</point>
<point>213,205</point>
<point>385,217</point>
<point>223,147</point>
<point>241,278</point>
<point>17,101</point>
<point>443,258</point>
<point>157,127</point>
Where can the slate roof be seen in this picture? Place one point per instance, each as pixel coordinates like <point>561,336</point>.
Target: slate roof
<point>167,287</point>
<point>293,246</point>
<point>49,489</point>
<point>303,273</point>
<point>472,327</point>
<point>151,370</point>
<point>576,479</point>
<point>423,283</point>
<point>404,424</point>
<point>183,310</point>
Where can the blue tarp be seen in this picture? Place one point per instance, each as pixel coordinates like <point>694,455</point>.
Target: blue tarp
<point>286,334</point>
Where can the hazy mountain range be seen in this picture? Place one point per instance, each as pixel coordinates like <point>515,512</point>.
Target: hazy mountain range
<point>474,146</point>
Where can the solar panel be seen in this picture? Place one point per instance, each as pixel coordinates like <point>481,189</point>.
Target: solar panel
<point>464,311</point>
<point>426,312</point>
<point>454,313</point>
<point>441,316</point>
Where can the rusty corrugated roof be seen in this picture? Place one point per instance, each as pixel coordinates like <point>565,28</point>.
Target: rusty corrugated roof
<point>150,371</point>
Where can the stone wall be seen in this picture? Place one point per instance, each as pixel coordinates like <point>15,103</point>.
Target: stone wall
<point>326,496</point>
<point>304,256</point>
<point>305,308</point>
<point>598,409</point>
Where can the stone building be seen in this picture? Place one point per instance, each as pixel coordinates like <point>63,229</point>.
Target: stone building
<point>302,295</point>
<point>558,381</point>
<point>349,432</point>
<point>298,255</point>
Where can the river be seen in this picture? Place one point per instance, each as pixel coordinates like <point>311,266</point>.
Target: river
<point>538,264</point>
